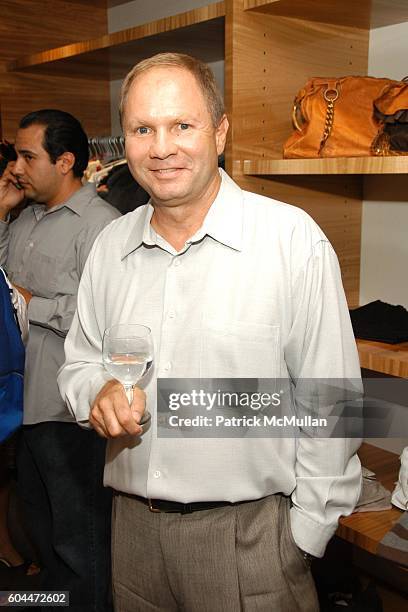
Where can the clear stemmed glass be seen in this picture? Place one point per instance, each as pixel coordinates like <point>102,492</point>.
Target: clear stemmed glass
<point>128,355</point>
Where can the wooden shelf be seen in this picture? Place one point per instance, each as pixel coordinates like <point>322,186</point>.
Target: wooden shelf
<point>327,165</point>
<point>365,14</point>
<point>199,32</point>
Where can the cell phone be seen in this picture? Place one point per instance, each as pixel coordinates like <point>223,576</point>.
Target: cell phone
<point>7,154</point>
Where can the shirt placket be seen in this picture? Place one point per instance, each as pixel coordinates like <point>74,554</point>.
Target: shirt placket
<point>33,237</point>
<point>170,329</point>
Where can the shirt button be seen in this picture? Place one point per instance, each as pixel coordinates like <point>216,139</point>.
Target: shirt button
<point>172,314</point>
<point>157,473</point>
<point>177,262</point>
<point>167,367</point>
<point>31,244</point>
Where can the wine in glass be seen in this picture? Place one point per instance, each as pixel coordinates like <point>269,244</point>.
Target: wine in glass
<point>128,356</point>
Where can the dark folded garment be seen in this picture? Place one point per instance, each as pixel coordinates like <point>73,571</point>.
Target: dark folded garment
<point>381,322</point>
<point>124,193</point>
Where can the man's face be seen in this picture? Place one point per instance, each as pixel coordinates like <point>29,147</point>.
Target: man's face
<point>172,146</point>
<point>39,177</point>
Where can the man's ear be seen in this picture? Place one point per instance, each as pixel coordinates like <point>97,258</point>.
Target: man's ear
<point>66,162</point>
<point>221,134</point>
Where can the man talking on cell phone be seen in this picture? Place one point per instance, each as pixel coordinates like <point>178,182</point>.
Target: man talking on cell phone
<point>44,252</point>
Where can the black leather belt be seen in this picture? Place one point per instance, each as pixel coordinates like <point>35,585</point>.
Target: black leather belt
<point>163,505</point>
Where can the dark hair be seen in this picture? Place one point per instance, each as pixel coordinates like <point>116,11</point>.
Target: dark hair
<point>7,154</point>
<point>63,133</point>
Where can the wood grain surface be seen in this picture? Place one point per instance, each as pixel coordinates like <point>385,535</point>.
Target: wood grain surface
<point>199,32</point>
<point>382,357</point>
<point>29,26</point>
<point>366,529</point>
<point>335,165</point>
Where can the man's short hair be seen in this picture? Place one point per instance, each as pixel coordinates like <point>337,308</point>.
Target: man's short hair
<point>201,71</point>
<point>63,133</point>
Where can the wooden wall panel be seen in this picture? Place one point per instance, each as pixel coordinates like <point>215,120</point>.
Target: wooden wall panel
<point>271,57</point>
<point>201,30</point>
<point>29,26</point>
<point>89,101</point>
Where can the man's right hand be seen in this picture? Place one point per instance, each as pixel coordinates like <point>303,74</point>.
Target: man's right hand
<point>112,416</point>
<point>10,195</point>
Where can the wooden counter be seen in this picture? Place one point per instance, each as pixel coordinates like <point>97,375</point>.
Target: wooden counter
<point>366,529</point>
<point>386,358</point>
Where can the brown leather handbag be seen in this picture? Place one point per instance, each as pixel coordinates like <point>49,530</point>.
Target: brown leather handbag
<point>335,117</point>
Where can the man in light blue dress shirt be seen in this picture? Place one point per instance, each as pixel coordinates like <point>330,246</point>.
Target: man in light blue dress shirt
<point>232,285</point>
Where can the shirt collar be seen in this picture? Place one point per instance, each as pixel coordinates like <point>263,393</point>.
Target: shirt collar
<point>223,222</point>
<point>141,232</point>
<point>77,202</point>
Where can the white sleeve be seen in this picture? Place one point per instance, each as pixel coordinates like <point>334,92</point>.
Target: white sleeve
<point>321,346</point>
<point>20,306</point>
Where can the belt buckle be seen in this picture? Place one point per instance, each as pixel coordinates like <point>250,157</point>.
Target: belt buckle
<point>151,507</point>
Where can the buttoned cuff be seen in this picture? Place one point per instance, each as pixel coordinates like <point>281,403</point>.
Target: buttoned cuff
<point>398,498</point>
<point>40,309</point>
<point>310,536</point>
<point>83,407</point>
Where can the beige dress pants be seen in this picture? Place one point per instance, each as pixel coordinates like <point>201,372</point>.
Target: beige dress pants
<point>229,559</point>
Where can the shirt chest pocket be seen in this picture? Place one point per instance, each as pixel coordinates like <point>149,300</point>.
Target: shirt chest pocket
<point>42,274</point>
<point>237,349</point>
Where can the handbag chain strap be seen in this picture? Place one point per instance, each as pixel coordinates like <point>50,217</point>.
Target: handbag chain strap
<point>330,95</point>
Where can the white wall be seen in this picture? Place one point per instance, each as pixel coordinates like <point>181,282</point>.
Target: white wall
<point>384,247</point>
<point>137,12</point>
<point>384,240</point>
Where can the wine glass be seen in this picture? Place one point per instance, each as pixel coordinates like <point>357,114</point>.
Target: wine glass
<point>127,355</point>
